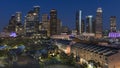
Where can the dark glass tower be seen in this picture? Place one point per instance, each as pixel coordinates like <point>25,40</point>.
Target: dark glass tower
<point>89,22</point>
<point>32,21</point>
<point>78,22</point>
<point>53,22</point>
<point>98,26</point>
<point>83,26</point>
<point>12,24</point>
<point>19,26</point>
<point>113,23</point>
<point>46,23</point>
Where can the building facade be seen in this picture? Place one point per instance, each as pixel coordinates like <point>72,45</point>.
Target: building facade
<point>31,24</point>
<point>15,25</point>
<point>83,26</point>
<point>12,24</point>
<point>65,29</point>
<point>53,22</point>
<point>59,26</point>
<point>113,24</point>
<point>19,27</point>
<point>46,23</point>
<point>89,22</point>
<point>96,56</point>
<point>79,22</point>
<point>98,23</point>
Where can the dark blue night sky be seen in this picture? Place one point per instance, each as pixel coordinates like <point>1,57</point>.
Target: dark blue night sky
<point>66,9</point>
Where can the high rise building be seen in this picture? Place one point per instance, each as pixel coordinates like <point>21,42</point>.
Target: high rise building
<point>113,23</point>
<point>83,26</point>
<point>19,27</point>
<point>89,22</point>
<point>31,24</point>
<point>59,26</point>
<point>36,9</point>
<point>94,24</point>
<point>78,22</point>
<point>46,23</point>
<point>65,29</point>
<point>15,25</point>
<point>12,24</point>
<point>98,23</point>
<point>18,17</point>
<point>53,22</point>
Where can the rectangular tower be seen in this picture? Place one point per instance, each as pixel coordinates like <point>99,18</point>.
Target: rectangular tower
<point>98,24</point>
<point>32,21</point>
<point>113,23</point>
<point>53,22</point>
<point>78,22</point>
<point>89,22</point>
<point>46,23</point>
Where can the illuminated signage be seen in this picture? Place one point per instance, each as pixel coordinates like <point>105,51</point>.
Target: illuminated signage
<point>13,34</point>
<point>114,35</point>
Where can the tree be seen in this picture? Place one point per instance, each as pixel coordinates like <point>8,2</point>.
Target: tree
<point>84,65</point>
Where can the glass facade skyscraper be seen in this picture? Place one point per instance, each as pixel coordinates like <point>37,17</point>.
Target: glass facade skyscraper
<point>53,22</point>
<point>79,22</point>
<point>98,23</point>
<point>89,22</point>
<point>32,21</point>
<point>113,23</point>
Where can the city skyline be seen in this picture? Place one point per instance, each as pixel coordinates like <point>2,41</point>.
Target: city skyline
<point>66,10</point>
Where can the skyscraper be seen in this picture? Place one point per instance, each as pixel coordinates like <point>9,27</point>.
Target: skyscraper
<point>78,22</point>
<point>98,23</point>
<point>82,26</point>
<point>36,9</point>
<point>19,26</point>
<point>89,22</point>
<point>59,26</point>
<point>12,24</point>
<point>46,23</point>
<point>53,22</point>
<point>65,29</point>
<point>18,17</point>
<point>32,21</point>
<point>113,23</point>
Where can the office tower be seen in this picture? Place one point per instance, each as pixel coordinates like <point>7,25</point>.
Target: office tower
<point>94,24</point>
<point>59,26</point>
<point>31,24</point>
<point>15,24</point>
<point>83,26</point>
<point>98,24</point>
<point>36,9</point>
<point>78,22</point>
<point>18,17</point>
<point>19,26</point>
<point>12,24</point>
<point>36,17</point>
<point>65,29</point>
<point>46,23</point>
<point>113,23</point>
<point>89,22</point>
<point>53,22</point>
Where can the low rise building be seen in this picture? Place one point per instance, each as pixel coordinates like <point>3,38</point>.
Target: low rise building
<point>100,56</point>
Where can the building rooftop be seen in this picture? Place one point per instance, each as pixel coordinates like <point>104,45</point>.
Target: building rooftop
<point>103,50</point>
